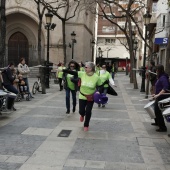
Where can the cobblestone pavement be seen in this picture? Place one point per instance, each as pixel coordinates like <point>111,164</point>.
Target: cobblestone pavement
<point>120,136</point>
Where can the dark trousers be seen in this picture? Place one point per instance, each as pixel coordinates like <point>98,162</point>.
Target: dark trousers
<point>113,75</point>
<point>60,83</point>
<point>10,101</point>
<point>85,109</point>
<point>159,118</point>
<point>73,92</point>
<point>11,88</point>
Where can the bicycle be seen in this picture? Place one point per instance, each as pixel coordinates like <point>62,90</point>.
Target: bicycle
<point>37,86</point>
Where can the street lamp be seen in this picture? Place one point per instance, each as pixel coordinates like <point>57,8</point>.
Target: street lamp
<point>49,26</point>
<point>108,52</point>
<point>147,18</point>
<point>92,43</point>
<point>73,35</point>
<point>100,54</point>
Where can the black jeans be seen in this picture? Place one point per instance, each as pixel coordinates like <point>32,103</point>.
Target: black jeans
<point>159,118</point>
<point>85,109</point>
<point>73,92</point>
<point>60,83</point>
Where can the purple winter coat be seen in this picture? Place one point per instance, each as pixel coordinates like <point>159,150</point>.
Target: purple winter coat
<point>162,83</point>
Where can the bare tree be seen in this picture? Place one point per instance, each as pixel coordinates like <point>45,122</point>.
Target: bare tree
<point>128,14</point>
<point>64,10</point>
<point>2,32</point>
<point>40,11</point>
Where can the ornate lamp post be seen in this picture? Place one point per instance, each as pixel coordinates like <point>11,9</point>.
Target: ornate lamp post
<point>49,26</point>
<point>92,43</point>
<point>73,35</point>
<point>147,18</point>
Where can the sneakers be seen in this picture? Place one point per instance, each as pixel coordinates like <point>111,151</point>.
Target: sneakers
<point>14,109</point>
<point>81,118</point>
<point>103,105</point>
<point>99,105</point>
<point>86,129</point>
<point>154,124</point>
<point>161,130</point>
<point>68,111</point>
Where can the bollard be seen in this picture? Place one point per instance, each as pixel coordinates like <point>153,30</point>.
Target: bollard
<point>42,72</point>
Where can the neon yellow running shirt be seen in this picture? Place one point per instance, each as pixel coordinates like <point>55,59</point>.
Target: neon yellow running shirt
<point>88,84</point>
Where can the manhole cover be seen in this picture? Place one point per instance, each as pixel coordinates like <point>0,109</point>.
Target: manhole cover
<point>64,133</point>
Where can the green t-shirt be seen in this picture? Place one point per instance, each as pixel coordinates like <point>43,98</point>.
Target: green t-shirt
<point>60,72</point>
<point>97,69</point>
<point>105,76</point>
<point>113,69</point>
<point>82,69</point>
<point>70,84</point>
<point>88,84</point>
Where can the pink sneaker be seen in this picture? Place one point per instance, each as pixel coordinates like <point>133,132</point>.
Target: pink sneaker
<point>86,129</point>
<point>81,118</point>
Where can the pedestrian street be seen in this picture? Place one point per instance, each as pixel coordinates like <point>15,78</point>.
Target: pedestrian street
<point>40,136</point>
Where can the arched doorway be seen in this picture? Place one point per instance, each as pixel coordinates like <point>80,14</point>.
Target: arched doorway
<point>17,48</point>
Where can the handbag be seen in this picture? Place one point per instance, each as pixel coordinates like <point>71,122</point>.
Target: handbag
<point>89,97</point>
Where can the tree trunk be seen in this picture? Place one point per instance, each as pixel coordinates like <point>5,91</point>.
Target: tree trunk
<point>134,73</point>
<point>64,40</point>
<point>130,44</point>
<point>147,86</point>
<point>167,64</point>
<point>39,41</point>
<point>2,33</point>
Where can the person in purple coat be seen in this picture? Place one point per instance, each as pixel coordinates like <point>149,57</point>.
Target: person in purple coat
<point>162,86</point>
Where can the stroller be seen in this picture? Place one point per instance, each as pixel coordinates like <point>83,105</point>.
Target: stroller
<point>23,90</point>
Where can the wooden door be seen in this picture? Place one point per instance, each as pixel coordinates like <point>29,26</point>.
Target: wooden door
<point>17,48</point>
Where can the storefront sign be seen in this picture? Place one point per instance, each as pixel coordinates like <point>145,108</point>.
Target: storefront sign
<point>161,41</point>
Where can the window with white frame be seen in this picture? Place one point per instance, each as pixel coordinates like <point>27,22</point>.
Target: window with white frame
<point>154,7</point>
<point>108,29</point>
<point>110,41</point>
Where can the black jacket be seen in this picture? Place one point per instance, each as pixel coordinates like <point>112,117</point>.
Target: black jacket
<point>7,76</point>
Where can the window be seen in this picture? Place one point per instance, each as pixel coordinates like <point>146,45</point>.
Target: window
<point>108,29</point>
<point>163,22</point>
<point>109,16</point>
<point>110,41</point>
<point>154,7</point>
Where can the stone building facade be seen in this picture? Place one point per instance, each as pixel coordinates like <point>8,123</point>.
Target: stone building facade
<point>22,34</point>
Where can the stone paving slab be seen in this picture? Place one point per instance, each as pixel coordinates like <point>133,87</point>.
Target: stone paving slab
<point>114,126</point>
<point>10,166</point>
<point>75,163</point>
<point>95,164</point>
<point>48,158</point>
<point>106,150</point>
<point>37,131</point>
<point>151,155</point>
<point>17,159</point>
<point>26,121</point>
<point>19,145</point>
<point>40,167</point>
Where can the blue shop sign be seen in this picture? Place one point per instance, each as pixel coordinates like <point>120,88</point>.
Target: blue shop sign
<point>161,41</point>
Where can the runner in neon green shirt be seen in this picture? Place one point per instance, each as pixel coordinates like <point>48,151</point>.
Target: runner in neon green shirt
<point>106,78</point>
<point>60,75</point>
<point>70,85</point>
<point>89,81</point>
